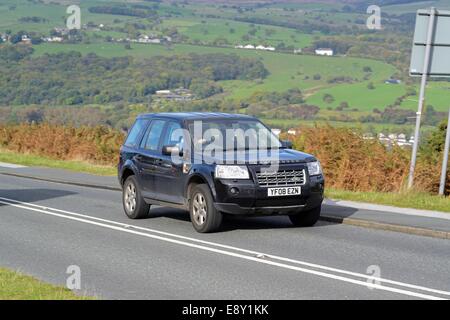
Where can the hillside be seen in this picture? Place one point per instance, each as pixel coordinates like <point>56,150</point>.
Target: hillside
<point>346,88</point>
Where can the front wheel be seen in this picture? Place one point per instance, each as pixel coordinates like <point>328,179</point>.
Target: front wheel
<point>134,205</point>
<point>306,218</point>
<point>204,216</point>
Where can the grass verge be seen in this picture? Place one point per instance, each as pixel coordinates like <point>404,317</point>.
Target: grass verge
<point>40,161</point>
<point>17,286</point>
<point>416,200</point>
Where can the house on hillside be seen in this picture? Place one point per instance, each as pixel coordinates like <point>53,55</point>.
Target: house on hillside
<point>26,39</point>
<point>324,52</point>
<point>53,39</point>
<point>180,94</point>
<point>392,81</point>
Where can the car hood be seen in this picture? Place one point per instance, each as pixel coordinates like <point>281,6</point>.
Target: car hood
<point>253,156</point>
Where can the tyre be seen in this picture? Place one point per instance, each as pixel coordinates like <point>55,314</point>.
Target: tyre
<point>134,205</point>
<point>204,216</point>
<point>306,218</point>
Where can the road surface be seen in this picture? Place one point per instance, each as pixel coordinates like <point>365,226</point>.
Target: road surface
<point>46,227</point>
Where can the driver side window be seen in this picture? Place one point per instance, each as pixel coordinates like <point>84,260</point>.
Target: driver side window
<point>174,135</point>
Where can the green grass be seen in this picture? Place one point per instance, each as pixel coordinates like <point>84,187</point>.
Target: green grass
<point>414,200</point>
<point>17,286</point>
<point>40,161</point>
<point>211,29</point>
<point>359,96</point>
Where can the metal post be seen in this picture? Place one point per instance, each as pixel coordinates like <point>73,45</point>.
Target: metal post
<point>445,160</point>
<point>423,84</point>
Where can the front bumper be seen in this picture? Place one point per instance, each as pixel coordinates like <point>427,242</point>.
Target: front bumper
<point>253,200</point>
<point>233,208</point>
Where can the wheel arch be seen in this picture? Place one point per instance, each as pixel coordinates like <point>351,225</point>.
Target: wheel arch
<point>126,172</point>
<point>194,180</point>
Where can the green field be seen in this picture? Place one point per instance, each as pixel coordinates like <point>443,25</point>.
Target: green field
<point>214,29</point>
<point>209,30</point>
<point>286,71</point>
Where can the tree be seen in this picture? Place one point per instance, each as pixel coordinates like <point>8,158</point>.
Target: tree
<point>328,98</point>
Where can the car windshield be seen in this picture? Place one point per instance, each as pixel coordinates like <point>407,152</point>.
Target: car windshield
<point>232,134</point>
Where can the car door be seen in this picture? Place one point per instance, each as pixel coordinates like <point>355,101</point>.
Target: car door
<point>149,155</point>
<point>169,172</point>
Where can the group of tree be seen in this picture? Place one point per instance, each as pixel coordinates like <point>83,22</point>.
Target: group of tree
<point>136,11</point>
<point>75,79</point>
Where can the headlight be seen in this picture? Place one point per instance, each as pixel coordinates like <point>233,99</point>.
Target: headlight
<point>231,172</point>
<point>314,168</point>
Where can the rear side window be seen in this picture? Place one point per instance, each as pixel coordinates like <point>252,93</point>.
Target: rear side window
<point>135,133</point>
<point>153,135</point>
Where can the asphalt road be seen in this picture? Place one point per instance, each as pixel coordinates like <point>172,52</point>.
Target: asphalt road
<point>46,227</point>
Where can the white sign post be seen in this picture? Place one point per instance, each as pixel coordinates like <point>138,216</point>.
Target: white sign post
<point>445,159</point>
<point>429,58</point>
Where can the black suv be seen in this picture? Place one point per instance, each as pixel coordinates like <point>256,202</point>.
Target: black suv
<point>213,164</point>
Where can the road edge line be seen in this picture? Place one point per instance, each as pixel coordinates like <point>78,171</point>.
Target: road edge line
<point>72,183</point>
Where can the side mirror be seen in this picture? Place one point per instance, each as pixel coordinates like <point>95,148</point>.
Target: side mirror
<point>286,144</point>
<point>169,150</point>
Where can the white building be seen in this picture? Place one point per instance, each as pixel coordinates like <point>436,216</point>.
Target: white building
<point>162,92</point>
<point>53,39</point>
<point>324,52</point>
<point>249,46</point>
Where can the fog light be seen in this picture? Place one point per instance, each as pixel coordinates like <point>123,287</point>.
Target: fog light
<point>234,191</point>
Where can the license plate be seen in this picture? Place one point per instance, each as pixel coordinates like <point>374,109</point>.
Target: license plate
<point>284,191</point>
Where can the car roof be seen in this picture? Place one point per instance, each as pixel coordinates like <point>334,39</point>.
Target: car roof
<point>195,115</point>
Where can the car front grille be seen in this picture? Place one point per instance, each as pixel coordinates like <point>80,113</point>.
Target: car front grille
<point>281,178</point>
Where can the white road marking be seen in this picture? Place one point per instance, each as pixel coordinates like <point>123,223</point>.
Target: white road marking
<point>11,165</point>
<point>126,228</point>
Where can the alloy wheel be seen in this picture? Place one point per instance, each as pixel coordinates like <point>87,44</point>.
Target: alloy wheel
<point>130,197</point>
<point>200,209</point>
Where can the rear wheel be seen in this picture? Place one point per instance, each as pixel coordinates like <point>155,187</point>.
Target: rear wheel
<point>134,205</point>
<point>306,218</point>
<point>204,216</point>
